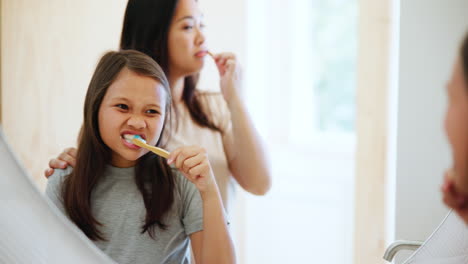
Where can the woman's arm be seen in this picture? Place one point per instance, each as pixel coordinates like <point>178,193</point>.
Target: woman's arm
<point>213,244</point>
<point>246,156</point>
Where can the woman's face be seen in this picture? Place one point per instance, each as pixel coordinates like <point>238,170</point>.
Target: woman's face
<point>186,40</point>
<point>456,119</point>
<point>132,105</point>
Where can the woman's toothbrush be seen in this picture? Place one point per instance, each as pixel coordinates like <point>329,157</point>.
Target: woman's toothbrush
<point>137,140</point>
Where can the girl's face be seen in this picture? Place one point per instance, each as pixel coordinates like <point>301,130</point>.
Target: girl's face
<point>133,104</point>
<point>186,40</point>
<point>456,119</point>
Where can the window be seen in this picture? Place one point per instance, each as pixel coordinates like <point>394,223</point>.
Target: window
<point>300,90</point>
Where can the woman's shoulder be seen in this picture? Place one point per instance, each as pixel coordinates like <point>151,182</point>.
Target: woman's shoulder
<point>215,106</point>
<point>210,97</point>
<point>200,92</point>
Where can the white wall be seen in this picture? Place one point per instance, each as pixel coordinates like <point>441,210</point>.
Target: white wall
<point>49,52</point>
<point>225,32</point>
<point>430,35</point>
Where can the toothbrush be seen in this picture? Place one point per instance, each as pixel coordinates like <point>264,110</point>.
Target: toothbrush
<point>137,140</point>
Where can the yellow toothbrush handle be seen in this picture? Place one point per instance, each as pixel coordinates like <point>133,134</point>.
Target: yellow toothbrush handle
<point>158,151</point>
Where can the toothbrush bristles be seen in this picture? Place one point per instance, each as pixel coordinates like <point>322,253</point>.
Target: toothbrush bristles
<point>130,138</point>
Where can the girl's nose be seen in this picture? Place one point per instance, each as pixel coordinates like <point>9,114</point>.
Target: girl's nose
<point>136,122</point>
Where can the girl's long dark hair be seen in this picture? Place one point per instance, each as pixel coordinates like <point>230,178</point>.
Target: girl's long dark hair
<point>153,176</point>
<point>146,28</point>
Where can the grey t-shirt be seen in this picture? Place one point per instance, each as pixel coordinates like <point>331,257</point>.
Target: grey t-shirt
<point>118,205</point>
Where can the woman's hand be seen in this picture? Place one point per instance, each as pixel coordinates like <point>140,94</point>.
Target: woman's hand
<point>230,75</point>
<point>242,143</point>
<point>452,198</point>
<point>193,162</point>
<point>65,159</point>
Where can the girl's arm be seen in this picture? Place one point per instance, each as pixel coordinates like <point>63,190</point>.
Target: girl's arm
<point>246,156</point>
<point>213,244</point>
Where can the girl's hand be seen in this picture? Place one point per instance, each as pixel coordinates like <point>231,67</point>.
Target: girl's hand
<point>230,73</point>
<point>193,162</point>
<point>452,198</point>
<point>65,159</point>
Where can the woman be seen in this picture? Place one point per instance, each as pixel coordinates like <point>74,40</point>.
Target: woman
<point>455,186</point>
<point>171,32</point>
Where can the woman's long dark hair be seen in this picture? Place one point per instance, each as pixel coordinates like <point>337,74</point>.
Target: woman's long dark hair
<point>152,174</point>
<point>146,28</point>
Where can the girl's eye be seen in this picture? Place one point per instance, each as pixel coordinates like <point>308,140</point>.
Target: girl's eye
<point>188,27</point>
<point>122,106</point>
<point>152,111</point>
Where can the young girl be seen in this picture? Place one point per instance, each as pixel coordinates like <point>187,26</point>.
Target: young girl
<point>129,201</point>
<point>455,187</point>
